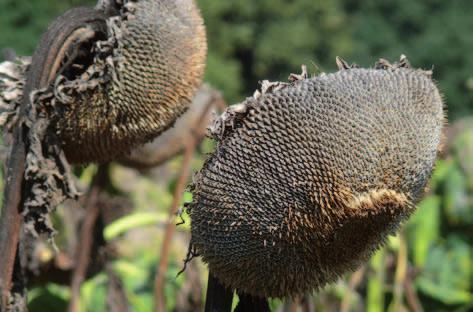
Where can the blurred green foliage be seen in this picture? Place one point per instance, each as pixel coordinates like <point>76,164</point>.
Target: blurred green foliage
<point>438,257</point>
<point>137,276</point>
<point>23,22</point>
<point>268,39</point>
<point>440,235</point>
<point>432,33</point>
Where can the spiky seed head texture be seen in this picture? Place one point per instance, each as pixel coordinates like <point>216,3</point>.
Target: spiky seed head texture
<point>160,61</point>
<point>310,179</point>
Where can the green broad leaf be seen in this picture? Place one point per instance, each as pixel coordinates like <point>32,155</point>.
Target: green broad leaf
<point>442,293</point>
<point>457,201</point>
<point>146,194</point>
<point>93,294</point>
<point>424,229</point>
<point>184,222</point>
<point>187,198</point>
<point>463,147</point>
<point>273,303</point>
<point>137,283</point>
<point>86,174</point>
<point>59,291</point>
<point>50,297</point>
<point>133,221</point>
<point>129,270</point>
<point>143,302</point>
<point>393,242</point>
<point>447,273</point>
<point>442,167</point>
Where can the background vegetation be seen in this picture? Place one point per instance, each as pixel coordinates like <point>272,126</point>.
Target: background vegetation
<point>428,265</point>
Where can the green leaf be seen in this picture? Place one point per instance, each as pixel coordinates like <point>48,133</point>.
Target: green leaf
<point>375,299</point>
<point>456,199</point>
<point>93,294</point>
<point>187,198</point>
<point>442,167</point>
<point>50,297</point>
<point>132,221</point>
<point>129,270</point>
<point>424,228</point>
<point>447,273</point>
<point>444,294</point>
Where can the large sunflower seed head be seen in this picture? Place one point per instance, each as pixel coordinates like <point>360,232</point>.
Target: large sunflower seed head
<point>143,76</point>
<point>309,179</point>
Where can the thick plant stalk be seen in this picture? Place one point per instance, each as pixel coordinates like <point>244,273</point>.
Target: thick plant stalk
<point>400,277</point>
<point>28,192</point>
<point>249,303</point>
<point>219,298</point>
<point>10,217</point>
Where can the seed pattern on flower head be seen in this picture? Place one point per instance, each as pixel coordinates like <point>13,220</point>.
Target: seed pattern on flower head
<point>310,177</point>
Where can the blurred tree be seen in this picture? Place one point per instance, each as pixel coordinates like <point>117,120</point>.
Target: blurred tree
<point>23,22</point>
<point>268,39</point>
<point>432,33</point>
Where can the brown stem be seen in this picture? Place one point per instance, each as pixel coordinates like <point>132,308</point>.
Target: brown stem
<point>307,303</point>
<point>86,236</point>
<point>116,297</point>
<point>290,305</point>
<point>171,226</point>
<point>10,218</point>
<point>190,147</point>
<point>355,281</point>
<point>190,294</point>
<point>411,295</point>
<point>40,74</point>
<point>192,124</point>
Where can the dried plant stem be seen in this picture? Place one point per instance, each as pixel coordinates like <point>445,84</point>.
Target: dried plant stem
<point>190,147</point>
<point>10,214</point>
<point>219,298</point>
<point>193,123</point>
<point>355,280</point>
<point>290,305</point>
<point>307,303</point>
<point>86,236</point>
<point>171,226</point>
<point>411,295</point>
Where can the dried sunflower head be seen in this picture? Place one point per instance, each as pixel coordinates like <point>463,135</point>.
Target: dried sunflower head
<point>310,177</point>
